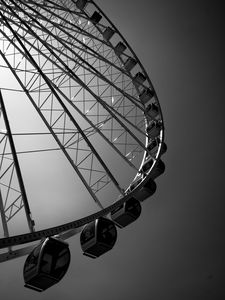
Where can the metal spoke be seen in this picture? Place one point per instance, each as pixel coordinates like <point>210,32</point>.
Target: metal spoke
<point>96,109</point>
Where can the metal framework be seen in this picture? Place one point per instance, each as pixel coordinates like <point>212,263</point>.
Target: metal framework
<point>88,87</point>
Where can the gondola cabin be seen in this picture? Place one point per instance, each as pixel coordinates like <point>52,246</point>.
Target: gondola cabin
<point>108,33</point>
<point>146,95</point>
<point>95,18</point>
<point>130,63</point>
<point>98,237</point>
<point>81,4</point>
<point>146,191</point>
<point>127,213</point>
<point>147,165</point>
<point>47,264</point>
<point>153,129</point>
<point>163,148</point>
<point>152,111</point>
<point>120,48</point>
<point>156,171</point>
<point>139,79</point>
<point>153,147</point>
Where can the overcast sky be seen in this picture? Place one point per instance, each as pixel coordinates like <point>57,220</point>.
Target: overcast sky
<point>176,249</point>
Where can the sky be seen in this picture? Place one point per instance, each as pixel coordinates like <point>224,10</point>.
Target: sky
<point>175,250</point>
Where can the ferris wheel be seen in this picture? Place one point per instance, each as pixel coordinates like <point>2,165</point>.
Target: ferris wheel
<point>91,101</point>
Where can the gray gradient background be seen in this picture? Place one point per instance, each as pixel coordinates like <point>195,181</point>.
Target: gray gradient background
<point>176,249</point>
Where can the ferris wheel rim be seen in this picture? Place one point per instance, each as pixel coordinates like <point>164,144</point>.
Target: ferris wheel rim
<point>79,223</point>
<point>20,239</point>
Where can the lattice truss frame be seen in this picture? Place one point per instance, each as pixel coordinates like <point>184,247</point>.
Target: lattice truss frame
<point>10,191</point>
<point>71,70</point>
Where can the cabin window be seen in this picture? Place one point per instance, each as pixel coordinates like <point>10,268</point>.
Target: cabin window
<point>46,263</point>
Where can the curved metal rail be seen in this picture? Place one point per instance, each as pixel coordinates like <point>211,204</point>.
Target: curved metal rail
<point>102,37</point>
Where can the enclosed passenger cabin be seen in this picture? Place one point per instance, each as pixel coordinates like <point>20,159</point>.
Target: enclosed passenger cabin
<point>159,169</point>
<point>156,171</point>
<point>130,63</point>
<point>153,129</point>
<point>96,17</point>
<point>147,165</point>
<point>146,191</point>
<point>153,147</point>
<point>152,110</point>
<point>127,213</point>
<point>47,264</point>
<point>81,4</point>
<point>120,48</point>
<point>139,79</point>
<point>163,148</point>
<point>108,33</point>
<point>98,237</point>
<point>146,95</point>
